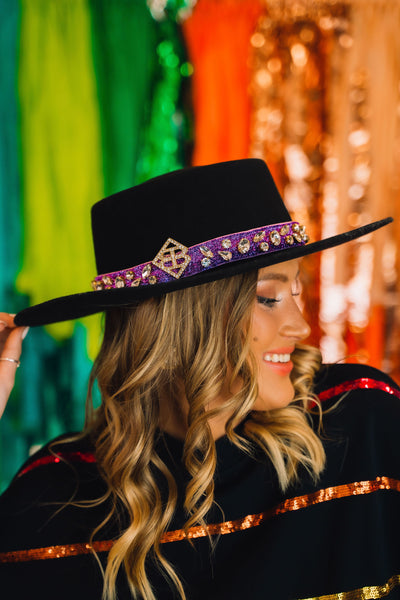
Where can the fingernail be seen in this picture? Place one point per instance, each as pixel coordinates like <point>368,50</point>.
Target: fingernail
<point>3,325</point>
<point>12,314</point>
<point>25,332</point>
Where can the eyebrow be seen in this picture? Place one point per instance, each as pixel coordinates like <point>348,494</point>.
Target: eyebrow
<point>277,277</point>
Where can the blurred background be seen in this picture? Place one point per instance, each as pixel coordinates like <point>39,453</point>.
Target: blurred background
<point>97,96</point>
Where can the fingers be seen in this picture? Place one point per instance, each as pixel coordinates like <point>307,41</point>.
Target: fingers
<point>6,320</point>
<point>13,344</point>
<point>10,348</point>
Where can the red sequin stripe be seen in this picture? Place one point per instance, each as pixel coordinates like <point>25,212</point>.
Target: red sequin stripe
<point>365,383</point>
<point>87,457</point>
<point>291,504</point>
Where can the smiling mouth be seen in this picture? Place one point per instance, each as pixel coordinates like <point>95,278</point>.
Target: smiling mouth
<point>277,358</point>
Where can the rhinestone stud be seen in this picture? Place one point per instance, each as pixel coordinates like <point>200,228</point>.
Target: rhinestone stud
<point>259,237</point>
<point>206,262</point>
<point>226,255</point>
<point>284,230</point>
<point>296,228</point>
<point>289,240</point>
<point>146,271</point>
<point>206,252</point>
<point>119,282</point>
<point>136,282</point>
<point>97,285</point>
<point>226,244</point>
<point>244,246</point>
<point>152,279</point>
<point>107,281</point>
<point>129,275</point>
<point>275,237</point>
<point>297,236</point>
<point>264,246</point>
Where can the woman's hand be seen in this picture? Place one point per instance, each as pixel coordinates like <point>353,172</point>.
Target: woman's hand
<point>10,350</point>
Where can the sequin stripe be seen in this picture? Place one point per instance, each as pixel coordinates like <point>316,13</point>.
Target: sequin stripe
<point>324,495</point>
<point>54,552</point>
<point>292,504</point>
<point>366,593</point>
<point>87,457</point>
<point>364,383</point>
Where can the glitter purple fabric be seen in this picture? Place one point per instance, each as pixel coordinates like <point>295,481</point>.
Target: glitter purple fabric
<point>210,254</point>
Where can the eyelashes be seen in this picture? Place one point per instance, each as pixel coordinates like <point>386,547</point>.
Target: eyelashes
<point>270,302</point>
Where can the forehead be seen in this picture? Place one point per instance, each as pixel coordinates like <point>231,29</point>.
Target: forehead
<point>286,271</point>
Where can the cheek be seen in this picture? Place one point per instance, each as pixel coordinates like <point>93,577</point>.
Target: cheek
<point>275,390</point>
<point>262,330</point>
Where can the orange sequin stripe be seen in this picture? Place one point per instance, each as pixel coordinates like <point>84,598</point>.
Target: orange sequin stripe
<point>55,552</point>
<point>291,504</point>
<point>366,593</point>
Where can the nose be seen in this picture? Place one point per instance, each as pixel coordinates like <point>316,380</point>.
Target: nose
<point>294,325</point>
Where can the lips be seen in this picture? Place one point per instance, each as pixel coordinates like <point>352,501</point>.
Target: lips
<point>278,355</point>
<point>279,360</point>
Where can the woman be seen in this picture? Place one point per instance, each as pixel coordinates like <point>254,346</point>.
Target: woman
<point>207,472</point>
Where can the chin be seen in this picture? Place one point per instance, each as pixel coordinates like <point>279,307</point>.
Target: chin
<point>282,399</point>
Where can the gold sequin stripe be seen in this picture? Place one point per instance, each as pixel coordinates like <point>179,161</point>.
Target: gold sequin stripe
<point>365,593</point>
<point>331,493</point>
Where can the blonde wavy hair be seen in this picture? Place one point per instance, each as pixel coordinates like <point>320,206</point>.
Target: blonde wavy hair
<point>186,342</point>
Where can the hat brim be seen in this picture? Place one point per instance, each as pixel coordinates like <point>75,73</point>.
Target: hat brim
<point>76,306</point>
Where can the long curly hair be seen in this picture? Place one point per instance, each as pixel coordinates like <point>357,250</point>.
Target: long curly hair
<point>186,342</point>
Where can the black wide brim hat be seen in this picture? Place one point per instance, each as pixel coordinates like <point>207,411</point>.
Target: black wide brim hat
<point>182,229</point>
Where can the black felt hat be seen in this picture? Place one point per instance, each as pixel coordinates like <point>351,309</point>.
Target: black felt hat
<point>183,229</point>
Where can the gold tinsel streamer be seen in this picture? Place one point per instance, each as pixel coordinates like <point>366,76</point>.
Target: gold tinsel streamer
<point>325,92</point>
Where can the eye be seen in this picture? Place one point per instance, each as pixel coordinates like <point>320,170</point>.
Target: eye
<point>270,302</point>
<point>296,288</point>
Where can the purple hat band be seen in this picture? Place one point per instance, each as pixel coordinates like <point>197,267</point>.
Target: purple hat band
<point>174,260</point>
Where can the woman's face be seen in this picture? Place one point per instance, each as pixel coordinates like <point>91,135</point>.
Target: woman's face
<point>275,327</point>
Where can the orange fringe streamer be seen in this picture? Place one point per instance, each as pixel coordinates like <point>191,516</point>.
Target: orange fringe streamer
<point>217,37</point>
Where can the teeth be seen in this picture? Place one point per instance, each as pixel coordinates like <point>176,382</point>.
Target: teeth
<point>277,358</point>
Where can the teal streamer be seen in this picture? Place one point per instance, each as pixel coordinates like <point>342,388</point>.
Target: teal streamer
<point>10,206</point>
<point>10,216</point>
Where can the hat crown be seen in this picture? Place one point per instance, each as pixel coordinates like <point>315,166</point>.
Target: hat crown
<point>192,205</point>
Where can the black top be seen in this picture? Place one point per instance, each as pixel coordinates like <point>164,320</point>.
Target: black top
<point>338,539</point>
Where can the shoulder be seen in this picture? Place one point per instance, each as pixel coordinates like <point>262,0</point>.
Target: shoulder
<point>60,474</point>
<point>55,471</point>
<point>358,381</point>
<point>334,379</point>
<point>61,454</point>
<point>361,417</point>
<point>358,389</point>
